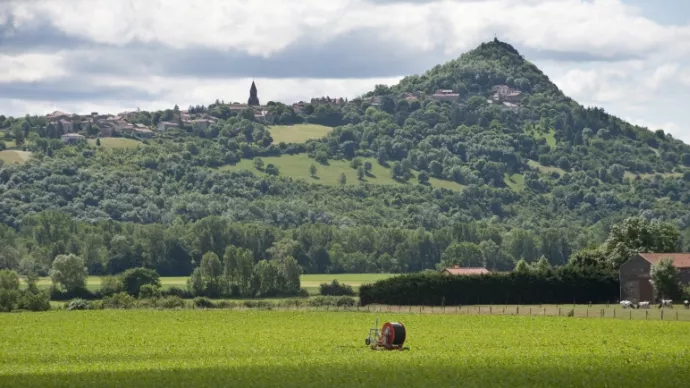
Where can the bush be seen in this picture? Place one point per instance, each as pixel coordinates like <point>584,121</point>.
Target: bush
<point>564,285</point>
<point>9,300</point>
<point>81,293</point>
<point>303,293</point>
<point>335,289</point>
<point>319,301</point>
<point>203,303</point>
<point>176,291</point>
<point>35,301</point>
<point>121,300</point>
<point>260,304</point>
<point>170,302</point>
<point>111,285</point>
<point>134,278</point>
<point>224,304</point>
<point>78,304</point>
<point>150,291</point>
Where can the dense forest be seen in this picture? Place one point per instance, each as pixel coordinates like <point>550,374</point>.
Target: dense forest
<point>541,176</point>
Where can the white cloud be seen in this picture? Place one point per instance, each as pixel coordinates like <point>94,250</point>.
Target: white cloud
<point>30,67</point>
<point>646,60</point>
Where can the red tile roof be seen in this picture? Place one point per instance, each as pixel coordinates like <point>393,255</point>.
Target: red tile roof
<point>466,270</point>
<point>680,260</point>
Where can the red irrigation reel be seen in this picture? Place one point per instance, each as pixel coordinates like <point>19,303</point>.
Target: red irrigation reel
<point>390,337</point>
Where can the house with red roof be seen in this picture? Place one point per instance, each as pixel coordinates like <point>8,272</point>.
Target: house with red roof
<point>635,275</point>
<point>457,270</point>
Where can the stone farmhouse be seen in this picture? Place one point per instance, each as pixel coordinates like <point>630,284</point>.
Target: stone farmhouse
<point>635,275</point>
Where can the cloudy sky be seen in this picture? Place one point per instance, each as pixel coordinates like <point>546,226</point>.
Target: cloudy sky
<point>631,57</point>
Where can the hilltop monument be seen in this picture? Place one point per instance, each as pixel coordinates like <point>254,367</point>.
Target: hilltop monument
<point>253,96</point>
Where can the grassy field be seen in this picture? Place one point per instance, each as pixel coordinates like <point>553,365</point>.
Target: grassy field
<point>15,156</point>
<point>309,281</point>
<point>298,133</point>
<point>549,136</point>
<point>516,181</point>
<point>110,348</point>
<point>117,142</point>
<point>297,167</point>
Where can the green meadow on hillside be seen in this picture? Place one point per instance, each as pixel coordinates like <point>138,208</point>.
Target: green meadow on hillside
<point>298,133</point>
<point>117,142</point>
<point>15,156</point>
<point>297,167</point>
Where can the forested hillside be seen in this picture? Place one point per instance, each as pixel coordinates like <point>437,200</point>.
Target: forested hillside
<point>537,175</point>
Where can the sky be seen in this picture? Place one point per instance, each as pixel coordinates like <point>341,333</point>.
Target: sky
<point>630,57</point>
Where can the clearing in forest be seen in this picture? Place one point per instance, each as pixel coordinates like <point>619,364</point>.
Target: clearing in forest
<point>298,133</point>
<point>15,156</point>
<point>297,167</point>
<point>117,142</point>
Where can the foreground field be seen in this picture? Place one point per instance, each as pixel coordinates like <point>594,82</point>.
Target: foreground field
<point>297,167</point>
<point>321,349</point>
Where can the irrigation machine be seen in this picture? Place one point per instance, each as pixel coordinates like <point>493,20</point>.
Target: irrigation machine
<point>390,337</point>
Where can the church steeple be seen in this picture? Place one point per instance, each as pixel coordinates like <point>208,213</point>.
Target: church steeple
<point>253,95</point>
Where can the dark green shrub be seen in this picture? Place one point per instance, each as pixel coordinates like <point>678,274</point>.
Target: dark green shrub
<point>335,288</point>
<point>78,304</point>
<point>121,300</point>
<point>203,303</point>
<point>150,291</point>
<point>563,285</point>
<point>111,285</point>
<point>170,302</point>
<point>176,291</point>
<point>134,278</point>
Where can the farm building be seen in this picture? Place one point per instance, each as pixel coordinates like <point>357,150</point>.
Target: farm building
<point>457,270</point>
<point>71,138</point>
<point>635,274</point>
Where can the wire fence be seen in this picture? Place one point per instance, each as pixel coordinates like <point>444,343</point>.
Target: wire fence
<point>680,313</point>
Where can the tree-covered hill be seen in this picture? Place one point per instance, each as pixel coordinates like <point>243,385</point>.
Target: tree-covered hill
<point>491,162</point>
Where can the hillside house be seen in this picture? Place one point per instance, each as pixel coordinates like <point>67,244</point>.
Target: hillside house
<point>165,125</point>
<point>58,115</point>
<point>504,93</point>
<point>459,271</point>
<point>635,275</point>
<point>445,95</point>
<point>72,138</point>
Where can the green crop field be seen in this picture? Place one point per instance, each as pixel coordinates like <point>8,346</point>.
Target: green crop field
<point>298,133</point>
<point>194,348</point>
<point>117,142</point>
<point>310,282</point>
<point>297,167</point>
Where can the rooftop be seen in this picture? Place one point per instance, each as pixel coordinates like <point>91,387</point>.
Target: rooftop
<point>680,260</point>
<point>457,270</point>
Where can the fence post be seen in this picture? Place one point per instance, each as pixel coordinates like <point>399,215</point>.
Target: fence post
<point>646,314</point>
<point>676,315</point>
<point>630,314</point>
<point>614,313</point>
<point>559,311</point>
<point>479,310</point>
<point>530,311</point>
<point>544,311</point>
<point>662,314</point>
<point>587,312</point>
